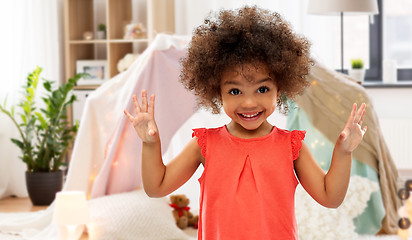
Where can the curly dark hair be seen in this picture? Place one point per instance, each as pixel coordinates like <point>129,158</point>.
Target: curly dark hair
<point>248,35</point>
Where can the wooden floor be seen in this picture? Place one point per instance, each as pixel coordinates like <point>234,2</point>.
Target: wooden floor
<point>13,204</point>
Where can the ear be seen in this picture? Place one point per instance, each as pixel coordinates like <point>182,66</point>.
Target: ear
<point>173,198</point>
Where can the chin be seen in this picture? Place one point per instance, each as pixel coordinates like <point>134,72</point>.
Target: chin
<point>251,128</point>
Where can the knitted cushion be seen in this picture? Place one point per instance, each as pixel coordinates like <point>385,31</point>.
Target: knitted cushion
<point>317,222</point>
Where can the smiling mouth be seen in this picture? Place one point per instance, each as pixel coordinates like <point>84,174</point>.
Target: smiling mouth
<point>250,116</point>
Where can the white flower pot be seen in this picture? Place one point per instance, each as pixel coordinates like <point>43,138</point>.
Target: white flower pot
<point>357,74</point>
<point>101,35</point>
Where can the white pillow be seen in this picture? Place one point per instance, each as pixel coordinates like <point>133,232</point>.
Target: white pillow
<point>132,215</point>
<point>317,222</point>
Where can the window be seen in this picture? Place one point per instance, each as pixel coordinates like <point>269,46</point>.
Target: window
<point>391,38</point>
<point>324,31</point>
<point>356,39</point>
<point>397,29</point>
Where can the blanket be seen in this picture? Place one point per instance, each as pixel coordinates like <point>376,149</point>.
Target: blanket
<point>328,103</point>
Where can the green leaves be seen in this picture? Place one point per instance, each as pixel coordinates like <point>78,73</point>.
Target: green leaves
<point>357,63</point>
<point>42,120</point>
<point>46,135</point>
<point>19,143</point>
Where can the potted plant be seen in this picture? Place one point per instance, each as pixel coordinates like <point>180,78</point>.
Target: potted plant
<point>101,31</point>
<point>45,135</point>
<point>357,71</point>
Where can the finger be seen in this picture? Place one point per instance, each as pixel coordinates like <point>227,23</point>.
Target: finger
<point>128,115</point>
<point>365,128</point>
<point>136,104</point>
<point>151,132</point>
<point>343,135</point>
<point>361,119</point>
<point>151,105</point>
<point>363,111</point>
<point>144,100</point>
<point>353,113</point>
<point>351,116</point>
<point>360,113</point>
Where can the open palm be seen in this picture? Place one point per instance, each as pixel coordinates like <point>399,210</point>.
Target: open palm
<point>352,134</point>
<point>144,122</point>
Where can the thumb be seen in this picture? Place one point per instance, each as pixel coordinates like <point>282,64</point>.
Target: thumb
<point>343,135</point>
<point>151,132</point>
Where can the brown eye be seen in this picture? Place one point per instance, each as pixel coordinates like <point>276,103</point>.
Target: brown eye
<point>234,91</point>
<point>263,89</point>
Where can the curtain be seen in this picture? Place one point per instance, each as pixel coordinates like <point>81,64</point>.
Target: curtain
<point>31,36</point>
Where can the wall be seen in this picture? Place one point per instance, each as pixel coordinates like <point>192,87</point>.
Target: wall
<point>392,102</point>
<point>393,106</point>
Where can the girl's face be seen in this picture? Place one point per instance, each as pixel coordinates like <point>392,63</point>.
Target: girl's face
<point>248,96</point>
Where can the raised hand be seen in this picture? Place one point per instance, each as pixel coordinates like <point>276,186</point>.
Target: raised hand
<point>352,134</point>
<point>144,122</point>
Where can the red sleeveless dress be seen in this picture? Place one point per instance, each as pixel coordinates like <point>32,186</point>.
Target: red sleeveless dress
<point>247,188</point>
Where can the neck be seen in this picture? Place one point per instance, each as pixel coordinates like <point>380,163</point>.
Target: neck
<point>237,130</point>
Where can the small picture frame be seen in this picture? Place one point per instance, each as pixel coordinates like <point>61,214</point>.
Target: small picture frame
<point>97,69</point>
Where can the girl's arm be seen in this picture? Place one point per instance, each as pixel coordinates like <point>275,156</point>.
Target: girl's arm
<point>158,179</point>
<point>330,189</point>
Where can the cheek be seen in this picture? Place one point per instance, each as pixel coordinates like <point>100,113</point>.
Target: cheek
<point>227,111</point>
<point>224,100</point>
<point>272,103</point>
<point>225,104</point>
<point>228,106</point>
<point>272,106</point>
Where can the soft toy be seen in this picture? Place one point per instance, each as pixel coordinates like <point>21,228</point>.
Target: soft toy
<point>184,218</point>
<point>126,61</point>
<point>134,31</point>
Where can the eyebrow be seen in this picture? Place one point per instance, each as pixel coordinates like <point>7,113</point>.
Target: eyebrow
<point>233,82</point>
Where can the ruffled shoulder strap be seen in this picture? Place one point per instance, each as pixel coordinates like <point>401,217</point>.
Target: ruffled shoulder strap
<point>296,139</point>
<point>200,133</point>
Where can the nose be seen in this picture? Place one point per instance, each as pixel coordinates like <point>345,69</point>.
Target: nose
<point>249,102</point>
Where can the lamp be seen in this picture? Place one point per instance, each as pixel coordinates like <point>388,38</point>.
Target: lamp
<point>353,7</point>
<point>71,212</point>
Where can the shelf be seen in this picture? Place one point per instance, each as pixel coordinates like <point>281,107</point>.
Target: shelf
<point>82,16</point>
<point>96,41</point>
<point>87,41</point>
<point>86,87</point>
<point>137,40</point>
<point>379,84</point>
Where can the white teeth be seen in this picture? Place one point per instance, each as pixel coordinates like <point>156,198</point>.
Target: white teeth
<point>249,116</point>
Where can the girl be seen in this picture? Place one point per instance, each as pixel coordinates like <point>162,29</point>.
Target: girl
<point>247,62</point>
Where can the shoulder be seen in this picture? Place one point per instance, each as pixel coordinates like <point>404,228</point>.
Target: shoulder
<point>199,132</point>
<point>282,131</point>
<point>294,139</point>
<point>292,133</point>
<point>204,136</point>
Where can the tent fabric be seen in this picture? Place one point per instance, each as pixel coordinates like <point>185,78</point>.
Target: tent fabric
<point>370,220</point>
<point>101,164</point>
<point>120,171</point>
<point>328,103</point>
